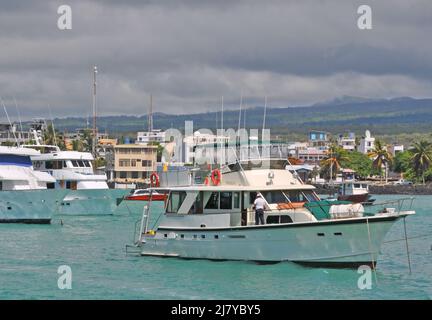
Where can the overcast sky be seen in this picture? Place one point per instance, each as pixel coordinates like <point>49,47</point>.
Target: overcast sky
<point>190,53</point>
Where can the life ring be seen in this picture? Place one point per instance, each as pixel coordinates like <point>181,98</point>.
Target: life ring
<point>154,180</point>
<point>216,176</point>
<point>206,181</point>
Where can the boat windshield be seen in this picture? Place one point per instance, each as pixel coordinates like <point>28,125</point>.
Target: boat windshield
<point>285,196</point>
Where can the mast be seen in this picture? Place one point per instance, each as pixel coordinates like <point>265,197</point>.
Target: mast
<point>222,114</point>
<point>150,115</point>
<point>265,112</point>
<point>94,112</point>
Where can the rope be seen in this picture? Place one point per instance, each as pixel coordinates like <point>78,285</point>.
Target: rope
<point>370,250</point>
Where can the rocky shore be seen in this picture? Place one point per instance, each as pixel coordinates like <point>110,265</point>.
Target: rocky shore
<point>385,189</point>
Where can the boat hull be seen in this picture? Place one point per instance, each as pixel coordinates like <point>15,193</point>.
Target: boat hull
<point>355,198</point>
<point>91,201</point>
<point>146,197</point>
<point>341,243</point>
<point>29,206</point>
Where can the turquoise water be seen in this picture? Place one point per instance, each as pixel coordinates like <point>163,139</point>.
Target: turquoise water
<point>94,248</point>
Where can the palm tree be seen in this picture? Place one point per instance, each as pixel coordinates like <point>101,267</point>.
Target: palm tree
<point>381,157</point>
<point>421,158</point>
<point>332,163</point>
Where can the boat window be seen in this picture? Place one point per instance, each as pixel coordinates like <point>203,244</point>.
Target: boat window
<point>226,200</point>
<point>275,196</point>
<point>213,202</point>
<point>236,200</point>
<point>87,164</point>
<point>364,186</point>
<point>197,207</point>
<point>357,185</point>
<point>48,164</point>
<point>301,195</point>
<point>74,163</point>
<point>175,201</point>
<point>252,197</point>
<point>80,163</point>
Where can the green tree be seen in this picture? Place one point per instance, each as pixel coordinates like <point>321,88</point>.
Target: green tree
<point>331,164</point>
<point>381,157</point>
<point>360,163</point>
<point>421,158</point>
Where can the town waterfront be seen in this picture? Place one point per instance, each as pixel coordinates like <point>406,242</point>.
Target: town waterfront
<point>94,248</point>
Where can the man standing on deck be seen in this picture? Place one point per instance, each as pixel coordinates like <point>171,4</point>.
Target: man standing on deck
<point>259,205</point>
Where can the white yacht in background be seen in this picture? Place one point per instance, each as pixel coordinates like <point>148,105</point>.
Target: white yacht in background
<point>87,190</point>
<point>24,197</point>
<point>216,221</point>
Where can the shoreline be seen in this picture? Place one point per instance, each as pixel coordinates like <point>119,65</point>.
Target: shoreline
<point>385,189</point>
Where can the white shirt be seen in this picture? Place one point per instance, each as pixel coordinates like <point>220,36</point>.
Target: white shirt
<point>259,203</point>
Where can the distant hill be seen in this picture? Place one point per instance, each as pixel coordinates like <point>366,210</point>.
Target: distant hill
<point>381,116</point>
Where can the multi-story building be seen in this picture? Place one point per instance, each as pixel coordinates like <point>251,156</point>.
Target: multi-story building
<point>347,142</point>
<point>311,156</point>
<point>394,149</point>
<point>131,163</point>
<point>190,143</point>
<point>10,134</point>
<point>367,143</point>
<point>145,137</point>
<point>318,139</point>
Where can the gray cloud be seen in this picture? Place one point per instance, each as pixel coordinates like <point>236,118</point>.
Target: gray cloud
<point>189,53</point>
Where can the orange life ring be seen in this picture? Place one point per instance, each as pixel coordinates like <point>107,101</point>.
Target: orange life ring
<point>216,176</point>
<point>154,180</point>
<point>206,181</point>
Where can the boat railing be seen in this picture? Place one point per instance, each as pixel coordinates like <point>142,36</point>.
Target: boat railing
<point>369,209</point>
<point>400,204</point>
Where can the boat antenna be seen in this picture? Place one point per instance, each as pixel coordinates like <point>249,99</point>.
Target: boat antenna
<point>265,112</point>
<point>19,115</point>
<point>222,114</point>
<point>10,123</point>
<point>244,117</point>
<point>240,113</point>
<point>94,110</point>
<point>52,124</point>
<point>150,115</point>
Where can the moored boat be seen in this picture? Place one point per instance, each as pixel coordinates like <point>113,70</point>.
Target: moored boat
<point>147,195</point>
<point>24,197</point>
<point>217,222</point>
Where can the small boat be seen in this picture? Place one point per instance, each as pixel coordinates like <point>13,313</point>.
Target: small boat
<point>217,221</point>
<point>146,195</point>
<point>355,191</point>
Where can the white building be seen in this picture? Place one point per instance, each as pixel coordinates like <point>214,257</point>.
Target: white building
<point>367,143</point>
<point>145,137</point>
<point>347,142</point>
<point>395,149</point>
<point>200,139</point>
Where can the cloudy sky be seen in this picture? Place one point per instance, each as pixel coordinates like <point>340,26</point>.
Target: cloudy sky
<point>190,53</point>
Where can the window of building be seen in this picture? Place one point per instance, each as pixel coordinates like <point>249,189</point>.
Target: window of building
<point>134,174</point>
<point>123,174</point>
<point>124,163</point>
<point>145,174</point>
<point>146,163</point>
<point>133,163</point>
